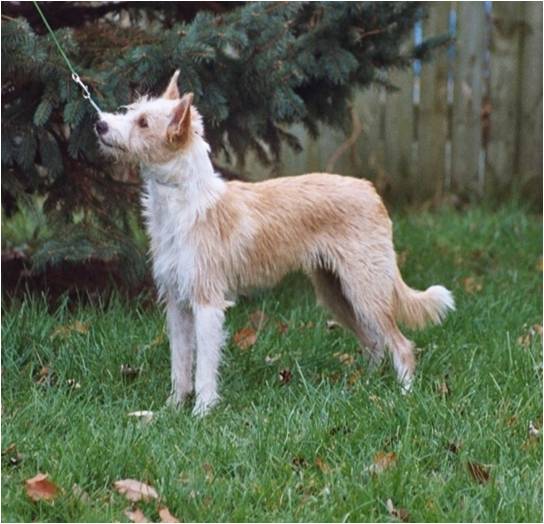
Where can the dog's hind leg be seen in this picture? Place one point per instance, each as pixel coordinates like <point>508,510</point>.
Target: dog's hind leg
<point>329,293</point>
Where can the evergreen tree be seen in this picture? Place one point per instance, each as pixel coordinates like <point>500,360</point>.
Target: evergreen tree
<point>254,68</point>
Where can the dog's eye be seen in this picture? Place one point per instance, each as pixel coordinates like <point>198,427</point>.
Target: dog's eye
<point>142,122</point>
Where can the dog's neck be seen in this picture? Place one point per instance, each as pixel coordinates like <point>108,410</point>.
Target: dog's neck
<point>189,178</point>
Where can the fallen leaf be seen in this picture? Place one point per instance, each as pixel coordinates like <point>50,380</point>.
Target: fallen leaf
<point>145,416</point>
<point>479,472</point>
<point>208,471</point>
<point>68,329</point>
<point>81,494</point>
<point>454,447</point>
<point>345,358</point>
<point>398,513</point>
<point>382,461</point>
<point>322,465</point>
<point>258,319</point>
<point>128,372</point>
<point>166,516</point>
<point>539,266</point>
<point>332,324</point>
<point>282,327</point>
<point>285,376</point>
<point>472,285</point>
<point>355,377</point>
<point>136,515</point>
<point>443,389</point>
<point>41,488</point>
<point>525,339</point>
<point>512,421</point>
<point>270,360</point>
<point>45,377</point>
<point>11,456</point>
<point>299,463</point>
<point>245,338</point>
<point>134,490</point>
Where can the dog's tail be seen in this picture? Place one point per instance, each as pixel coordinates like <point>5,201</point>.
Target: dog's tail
<point>415,309</point>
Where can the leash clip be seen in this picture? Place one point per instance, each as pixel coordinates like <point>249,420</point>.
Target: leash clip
<point>86,94</point>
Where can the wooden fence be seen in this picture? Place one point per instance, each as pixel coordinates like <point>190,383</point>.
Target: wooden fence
<point>469,123</point>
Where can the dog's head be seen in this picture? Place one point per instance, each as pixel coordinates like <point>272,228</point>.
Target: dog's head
<point>151,130</point>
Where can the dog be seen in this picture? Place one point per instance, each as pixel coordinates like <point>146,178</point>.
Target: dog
<point>211,239</point>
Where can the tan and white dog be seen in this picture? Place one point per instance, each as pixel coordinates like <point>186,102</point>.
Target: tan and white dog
<point>211,238</point>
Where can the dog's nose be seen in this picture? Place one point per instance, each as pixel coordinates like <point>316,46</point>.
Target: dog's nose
<point>101,127</point>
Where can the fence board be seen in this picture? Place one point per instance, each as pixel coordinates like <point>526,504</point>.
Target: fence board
<point>433,109</point>
<point>369,107</point>
<point>399,127</point>
<point>504,95</point>
<point>467,98</point>
<point>530,146</point>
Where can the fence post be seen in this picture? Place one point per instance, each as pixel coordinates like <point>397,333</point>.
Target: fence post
<point>530,145</point>
<point>433,109</point>
<point>504,95</point>
<point>467,98</point>
<point>399,135</point>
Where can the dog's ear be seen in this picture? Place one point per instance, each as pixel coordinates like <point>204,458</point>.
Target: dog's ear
<point>172,91</point>
<point>178,129</point>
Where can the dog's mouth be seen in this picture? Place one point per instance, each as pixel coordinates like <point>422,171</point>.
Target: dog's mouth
<point>111,145</point>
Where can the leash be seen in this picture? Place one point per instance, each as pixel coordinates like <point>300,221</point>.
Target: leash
<point>75,77</point>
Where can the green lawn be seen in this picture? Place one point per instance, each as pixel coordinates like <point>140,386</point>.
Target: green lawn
<point>300,451</point>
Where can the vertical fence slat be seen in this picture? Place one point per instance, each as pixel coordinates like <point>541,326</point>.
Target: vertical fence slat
<point>371,149</point>
<point>530,145</point>
<point>504,93</point>
<point>399,124</point>
<point>433,109</point>
<point>467,97</point>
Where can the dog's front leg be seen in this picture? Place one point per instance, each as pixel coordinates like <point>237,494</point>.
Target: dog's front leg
<point>209,339</point>
<point>181,333</point>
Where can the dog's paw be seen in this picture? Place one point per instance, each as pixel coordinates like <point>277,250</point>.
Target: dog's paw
<point>177,399</point>
<point>203,405</point>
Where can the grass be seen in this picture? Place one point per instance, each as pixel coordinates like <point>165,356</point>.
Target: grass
<point>300,451</point>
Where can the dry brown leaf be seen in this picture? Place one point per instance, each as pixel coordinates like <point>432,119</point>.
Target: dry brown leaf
<point>472,284</point>
<point>11,456</point>
<point>282,327</point>
<point>129,372</point>
<point>443,389</point>
<point>322,465</point>
<point>41,488</point>
<point>245,338</point>
<point>345,358</point>
<point>332,324</point>
<point>285,376</point>
<point>134,490</point>
<point>382,461</point>
<point>355,377</point>
<point>479,472</point>
<point>397,513</point>
<point>258,319</point>
<point>525,339</point>
<point>45,377</point>
<point>68,329</point>
<point>166,516</point>
<point>136,515</point>
<point>208,471</point>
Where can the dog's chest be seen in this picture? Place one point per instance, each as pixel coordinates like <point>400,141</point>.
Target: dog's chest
<point>172,245</point>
